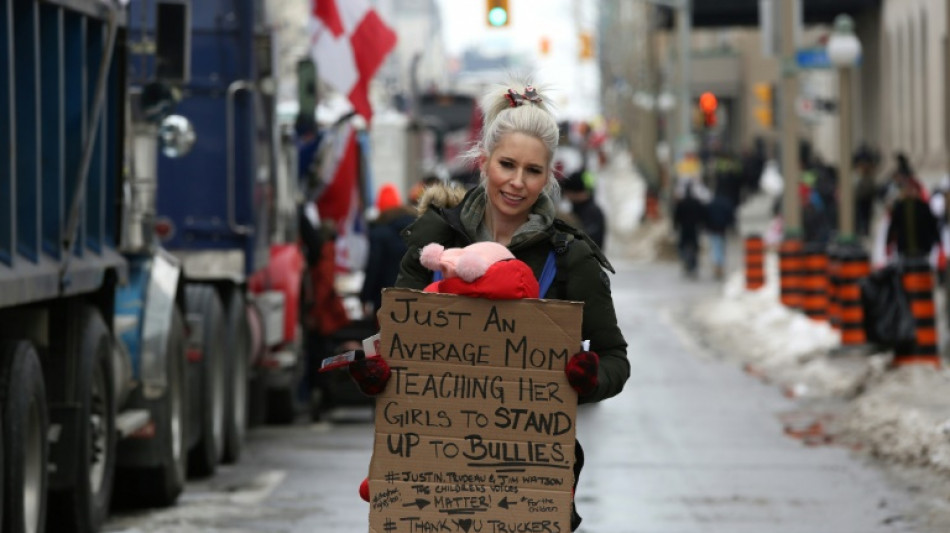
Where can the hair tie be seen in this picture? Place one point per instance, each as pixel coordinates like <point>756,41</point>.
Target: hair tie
<point>516,99</point>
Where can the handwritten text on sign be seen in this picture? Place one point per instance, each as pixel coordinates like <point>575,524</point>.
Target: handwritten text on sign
<point>475,430</point>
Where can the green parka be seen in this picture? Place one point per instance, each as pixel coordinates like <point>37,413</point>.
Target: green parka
<point>580,273</point>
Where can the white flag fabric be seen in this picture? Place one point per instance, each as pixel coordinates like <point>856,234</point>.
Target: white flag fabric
<point>349,41</point>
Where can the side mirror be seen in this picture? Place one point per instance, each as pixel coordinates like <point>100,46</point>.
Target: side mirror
<point>176,136</point>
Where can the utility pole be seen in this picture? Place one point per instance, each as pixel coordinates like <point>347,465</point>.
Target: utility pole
<point>791,171</point>
<point>684,23</point>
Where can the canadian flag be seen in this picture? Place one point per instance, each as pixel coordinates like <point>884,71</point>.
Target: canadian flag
<point>340,200</point>
<point>349,42</point>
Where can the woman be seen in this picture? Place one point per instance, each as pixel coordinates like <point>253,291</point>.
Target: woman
<point>512,205</point>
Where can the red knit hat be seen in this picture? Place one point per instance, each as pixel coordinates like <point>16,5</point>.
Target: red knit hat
<point>388,198</point>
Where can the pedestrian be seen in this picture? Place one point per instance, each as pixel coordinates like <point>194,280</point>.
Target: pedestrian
<point>720,217</point>
<point>688,215</point>
<point>819,209</point>
<point>584,208</point>
<point>512,205</point>
<point>913,231</point>
<point>386,246</point>
<point>865,167</point>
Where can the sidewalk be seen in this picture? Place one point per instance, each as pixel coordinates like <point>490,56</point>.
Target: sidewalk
<point>900,415</point>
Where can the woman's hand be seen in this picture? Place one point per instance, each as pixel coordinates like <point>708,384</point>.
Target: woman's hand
<point>581,372</point>
<point>371,374</point>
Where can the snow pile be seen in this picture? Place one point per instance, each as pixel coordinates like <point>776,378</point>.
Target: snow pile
<point>904,415</point>
<point>649,241</point>
<point>900,414</point>
<point>761,331</point>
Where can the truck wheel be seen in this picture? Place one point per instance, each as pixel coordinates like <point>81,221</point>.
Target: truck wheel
<point>205,455</point>
<point>84,506</point>
<point>25,423</point>
<point>238,352</point>
<point>160,486</point>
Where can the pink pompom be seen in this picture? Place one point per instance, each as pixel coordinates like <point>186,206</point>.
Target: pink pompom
<point>431,253</point>
<point>471,267</point>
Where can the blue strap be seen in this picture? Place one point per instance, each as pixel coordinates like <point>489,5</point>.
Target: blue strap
<point>544,282</point>
<point>547,274</point>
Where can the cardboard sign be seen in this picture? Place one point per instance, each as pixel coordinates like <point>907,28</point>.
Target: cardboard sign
<point>475,430</point>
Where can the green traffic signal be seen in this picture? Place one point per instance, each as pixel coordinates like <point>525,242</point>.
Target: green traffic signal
<point>498,16</point>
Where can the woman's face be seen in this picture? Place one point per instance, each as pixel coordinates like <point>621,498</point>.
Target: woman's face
<point>517,171</point>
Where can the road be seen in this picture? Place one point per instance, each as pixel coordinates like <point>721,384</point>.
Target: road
<point>692,445</point>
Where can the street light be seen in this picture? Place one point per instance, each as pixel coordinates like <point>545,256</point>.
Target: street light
<point>844,49</point>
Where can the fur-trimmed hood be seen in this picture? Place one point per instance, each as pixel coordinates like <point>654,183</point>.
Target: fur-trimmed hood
<point>443,195</point>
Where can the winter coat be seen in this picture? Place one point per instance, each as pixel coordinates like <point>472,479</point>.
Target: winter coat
<point>580,277</point>
<point>720,214</point>
<point>386,249</point>
<point>584,279</point>
<point>592,220</point>
<point>688,215</point>
<point>913,228</point>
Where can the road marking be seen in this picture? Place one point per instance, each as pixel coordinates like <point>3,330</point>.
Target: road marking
<point>260,488</point>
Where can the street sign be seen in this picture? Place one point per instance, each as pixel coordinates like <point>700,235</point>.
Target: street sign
<point>812,58</point>
<point>815,58</point>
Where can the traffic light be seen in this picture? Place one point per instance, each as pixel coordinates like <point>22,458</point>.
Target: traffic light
<point>585,45</point>
<point>708,105</point>
<point>544,46</point>
<point>764,106</point>
<point>496,13</point>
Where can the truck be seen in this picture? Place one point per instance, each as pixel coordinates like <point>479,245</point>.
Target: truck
<point>124,367</point>
<point>226,210</point>
<point>70,394</point>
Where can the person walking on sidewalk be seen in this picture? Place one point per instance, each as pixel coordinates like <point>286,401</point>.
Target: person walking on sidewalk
<point>913,230</point>
<point>720,217</point>
<point>512,205</point>
<point>688,216</point>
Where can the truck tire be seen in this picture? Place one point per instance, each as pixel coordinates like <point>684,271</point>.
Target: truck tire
<point>204,456</point>
<point>160,485</point>
<point>84,506</point>
<point>238,358</point>
<point>25,424</point>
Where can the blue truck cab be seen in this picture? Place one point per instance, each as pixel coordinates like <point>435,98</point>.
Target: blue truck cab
<point>126,359</point>
<point>65,383</point>
<point>225,209</point>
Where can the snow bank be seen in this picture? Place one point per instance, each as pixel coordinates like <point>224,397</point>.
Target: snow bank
<point>899,414</point>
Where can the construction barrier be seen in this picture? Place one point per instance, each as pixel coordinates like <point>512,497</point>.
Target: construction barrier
<point>853,264</point>
<point>791,263</point>
<point>652,211</point>
<point>754,262</point>
<point>834,286</point>
<point>918,282</point>
<point>814,282</point>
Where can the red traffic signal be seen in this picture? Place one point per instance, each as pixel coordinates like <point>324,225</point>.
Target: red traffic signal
<point>708,105</point>
<point>708,102</point>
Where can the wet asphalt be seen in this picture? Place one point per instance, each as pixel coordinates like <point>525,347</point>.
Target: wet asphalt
<point>692,445</point>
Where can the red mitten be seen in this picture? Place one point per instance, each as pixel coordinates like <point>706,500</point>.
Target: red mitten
<point>364,490</point>
<point>371,374</point>
<point>581,372</point>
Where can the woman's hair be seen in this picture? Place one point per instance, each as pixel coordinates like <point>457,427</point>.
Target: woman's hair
<point>518,107</point>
